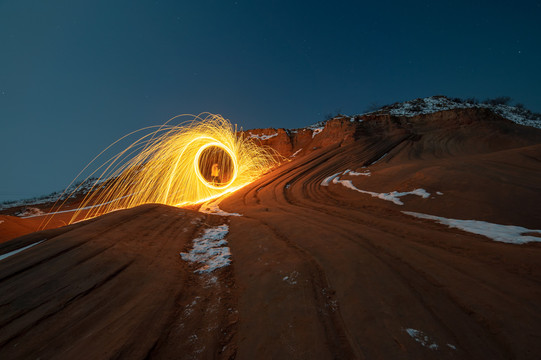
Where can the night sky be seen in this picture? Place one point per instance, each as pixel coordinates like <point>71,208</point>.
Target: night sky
<point>77,75</point>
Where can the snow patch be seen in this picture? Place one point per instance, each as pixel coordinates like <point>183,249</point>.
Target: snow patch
<point>209,250</point>
<point>503,233</point>
<point>328,179</point>
<point>189,308</point>
<point>5,256</point>
<point>353,173</point>
<point>381,157</point>
<point>317,131</point>
<point>291,279</point>
<point>423,339</point>
<point>318,125</point>
<point>296,153</point>
<point>261,137</point>
<point>211,281</point>
<point>331,178</point>
<point>393,196</point>
<point>211,207</point>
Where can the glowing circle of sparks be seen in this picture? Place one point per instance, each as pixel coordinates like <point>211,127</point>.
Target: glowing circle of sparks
<point>198,170</point>
<point>164,167</point>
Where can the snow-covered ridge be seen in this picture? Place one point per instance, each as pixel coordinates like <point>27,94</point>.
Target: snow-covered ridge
<point>318,127</point>
<point>261,137</point>
<point>435,104</point>
<point>72,191</point>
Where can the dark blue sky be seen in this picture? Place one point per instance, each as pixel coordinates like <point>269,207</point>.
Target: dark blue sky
<point>77,75</point>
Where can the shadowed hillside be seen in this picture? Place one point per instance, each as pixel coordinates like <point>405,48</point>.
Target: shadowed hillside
<point>381,236</point>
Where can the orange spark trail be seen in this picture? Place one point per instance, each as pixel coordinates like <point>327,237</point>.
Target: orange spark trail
<point>177,165</point>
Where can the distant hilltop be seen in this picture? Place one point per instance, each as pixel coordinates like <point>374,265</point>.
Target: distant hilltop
<point>429,105</point>
<point>409,117</point>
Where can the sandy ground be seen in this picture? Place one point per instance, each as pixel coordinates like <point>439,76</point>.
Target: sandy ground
<point>318,272</point>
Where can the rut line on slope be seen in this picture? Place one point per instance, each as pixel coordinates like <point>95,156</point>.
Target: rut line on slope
<point>420,245</point>
<point>338,212</point>
<point>381,154</point>
<point>87,257</point>
<point>335,330</point>
<point>66,304</point>
<point>399,272</point>
<point>47,299</point>
<point>41,261</point>
<point>288,169</point>
<point>458,305</point>
<point>220,295</point>
<point>180,298</point>
<point>315,205</point>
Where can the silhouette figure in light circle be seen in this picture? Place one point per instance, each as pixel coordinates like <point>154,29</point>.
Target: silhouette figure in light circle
<point>215,173</point>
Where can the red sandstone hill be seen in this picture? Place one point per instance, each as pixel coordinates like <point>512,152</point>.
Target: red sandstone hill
<point>382,236</point>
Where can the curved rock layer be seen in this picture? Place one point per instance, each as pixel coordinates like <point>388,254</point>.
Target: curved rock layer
<point>325,263</point>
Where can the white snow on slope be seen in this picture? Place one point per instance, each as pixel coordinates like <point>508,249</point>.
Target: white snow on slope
<point>5,256</point>
<point>353,173</point>
<point>319,124</point>
<point>381,157</point>
<point>211,207</point>
<point>425,340</point>
<point>434,104</point>
<point>209,250</point>
<point>296,153</point>
<point>291,279</point>
<point>502,233</point>
<point>328,179</point>
<point>393,196</point>
<point>317,131</point>
<point>261,137</point>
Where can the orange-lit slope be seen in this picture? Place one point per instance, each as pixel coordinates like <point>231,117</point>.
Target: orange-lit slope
<point>317,271</point>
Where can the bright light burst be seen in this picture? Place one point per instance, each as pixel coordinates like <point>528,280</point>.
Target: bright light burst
<point>177,165</point>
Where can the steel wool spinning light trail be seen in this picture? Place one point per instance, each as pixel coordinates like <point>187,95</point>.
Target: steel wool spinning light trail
<point>177,165</point>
